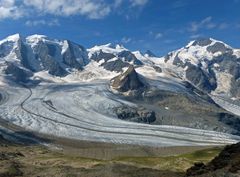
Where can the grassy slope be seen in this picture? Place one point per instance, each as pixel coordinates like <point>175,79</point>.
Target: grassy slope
<point>16,160</point>
<point>177,163</point>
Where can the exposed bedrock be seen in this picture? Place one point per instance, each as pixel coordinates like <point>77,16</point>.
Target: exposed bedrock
<point>17,73</point>
<point>128,81</point>
<point>190,107</point>
<point>140,114</point>
<point>226,164</point>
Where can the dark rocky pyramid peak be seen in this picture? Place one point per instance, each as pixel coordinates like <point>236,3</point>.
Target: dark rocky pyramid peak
<point>202,42</point>
<point>127,81</point>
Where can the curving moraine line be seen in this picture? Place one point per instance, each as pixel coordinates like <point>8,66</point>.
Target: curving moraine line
<point>107,131</point>
<point>123,127</point>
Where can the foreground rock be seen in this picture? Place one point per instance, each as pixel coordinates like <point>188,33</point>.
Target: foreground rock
<point>226,164</point>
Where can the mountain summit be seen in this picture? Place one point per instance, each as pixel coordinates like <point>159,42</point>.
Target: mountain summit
<point>37,53</point>
<point>210,65</point>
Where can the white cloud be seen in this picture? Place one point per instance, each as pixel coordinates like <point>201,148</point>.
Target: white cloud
<point>155,35</point>
<point>211,25</point>
<point>168,41</point>
<point>208,23</point>
<point>91,8</point>
<point>138,2</point>
<point>117,3</point>
<point>53,22</point>
<point>179,4</point>
<point>203,24</point>
<point>158,35</point>
<point>195,36</point>
<point>223,26</point>
<point>126,40</point>
<point>9,9</point>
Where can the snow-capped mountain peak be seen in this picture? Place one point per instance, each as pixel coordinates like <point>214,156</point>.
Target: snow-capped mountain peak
<point>120,47</point>
<point>108,48</point>
<point>36,38</point>
<point>198,52</point>
<point>209,64</point>
<point>38,53</point>
<point>10,47</point>
<point>111,45</point>
<point>14,37</point>
<point>203,42</point>
<point>200,42</point>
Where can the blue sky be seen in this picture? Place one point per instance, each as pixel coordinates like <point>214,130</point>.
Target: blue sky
<point>158,25</point>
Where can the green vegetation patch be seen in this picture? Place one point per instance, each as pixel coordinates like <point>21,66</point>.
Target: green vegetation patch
<point>178,163</point>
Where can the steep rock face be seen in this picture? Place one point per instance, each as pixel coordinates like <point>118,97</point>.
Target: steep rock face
<point>127,81</point>
<point>129,57</point>
<point>74,56</point>
<point>116,65</point>
<point>227,163</point>
<point>39,53</point>
<point>228,65</point>
<point>203,80</point>
<point>210,65</point>
<point>57,56</point>
<point>113,58</point>
<point>218,47</point>
<point>44,53</point>
<point>98,56</point>
<point>18,74</point>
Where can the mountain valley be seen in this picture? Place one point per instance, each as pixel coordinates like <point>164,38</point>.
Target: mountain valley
<point>49,85</point>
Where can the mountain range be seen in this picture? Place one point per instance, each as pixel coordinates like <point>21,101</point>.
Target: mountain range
<point>210,65</point>
<point>196,86</point>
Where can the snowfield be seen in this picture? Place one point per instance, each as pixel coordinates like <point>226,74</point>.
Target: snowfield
<point>83,111</point>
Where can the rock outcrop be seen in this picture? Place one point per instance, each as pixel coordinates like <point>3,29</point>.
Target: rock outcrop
<point>226,164</point>
<point>127,81</point>
<point>140,115</point>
